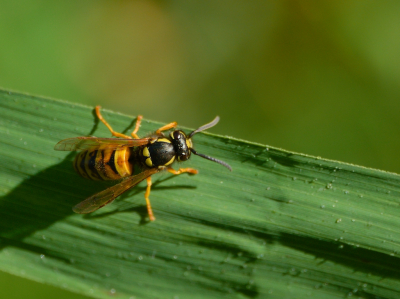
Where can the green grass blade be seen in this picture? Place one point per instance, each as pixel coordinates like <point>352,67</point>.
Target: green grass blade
<point>280,225</point>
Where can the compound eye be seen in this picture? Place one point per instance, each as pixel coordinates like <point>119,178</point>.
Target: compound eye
<point>183,157</point>
<point>177,135</point>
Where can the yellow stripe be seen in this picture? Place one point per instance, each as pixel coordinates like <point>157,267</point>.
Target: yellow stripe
<point>92,171</point>
<point>122,164</point>
<point>81,170</point>
<point>170,161</point>
<point>108,171</point>
<point>163,140</point>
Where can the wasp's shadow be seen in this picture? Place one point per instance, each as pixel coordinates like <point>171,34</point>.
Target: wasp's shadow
<point>42,199</point>
<point>48,196</point>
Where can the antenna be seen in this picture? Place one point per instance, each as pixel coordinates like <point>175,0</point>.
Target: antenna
<point>205,127</point>
<point>202,128</point>
<point>212,159</point>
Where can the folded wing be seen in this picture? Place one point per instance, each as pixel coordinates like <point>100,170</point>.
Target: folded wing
<point>85,143</point>
<point>105,197</point>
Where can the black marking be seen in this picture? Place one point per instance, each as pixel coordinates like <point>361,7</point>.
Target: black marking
<point>111,162</point>
<point>81,168</point>
<point>91,163</point>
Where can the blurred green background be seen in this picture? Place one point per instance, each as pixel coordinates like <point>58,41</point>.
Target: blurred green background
<point>316,77</point>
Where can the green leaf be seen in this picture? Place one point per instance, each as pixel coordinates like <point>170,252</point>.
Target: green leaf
<point>281,224</point>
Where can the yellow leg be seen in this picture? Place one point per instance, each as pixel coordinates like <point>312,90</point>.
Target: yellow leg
<point>167,127</point>
<point>116,134</point>
<point>182,170</point>
<point>146,196</point>
<point>137,126</point>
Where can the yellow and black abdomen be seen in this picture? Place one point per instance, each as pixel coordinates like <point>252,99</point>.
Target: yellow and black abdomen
<point>104,164</point>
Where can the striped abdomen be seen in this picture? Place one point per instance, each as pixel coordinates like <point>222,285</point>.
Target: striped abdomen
<point>105,164</point>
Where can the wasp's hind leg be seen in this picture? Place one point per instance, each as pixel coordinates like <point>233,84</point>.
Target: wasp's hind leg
<point>116,134</point>
<point>146,196</point>
<point>183,170</point>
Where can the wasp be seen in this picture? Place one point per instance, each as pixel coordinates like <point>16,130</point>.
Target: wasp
<point>131,159</point>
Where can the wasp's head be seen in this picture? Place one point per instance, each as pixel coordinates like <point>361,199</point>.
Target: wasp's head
<point>182,144</point>
<point>184,147</point>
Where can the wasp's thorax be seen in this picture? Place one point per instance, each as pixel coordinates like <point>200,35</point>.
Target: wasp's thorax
<point>162,152</point>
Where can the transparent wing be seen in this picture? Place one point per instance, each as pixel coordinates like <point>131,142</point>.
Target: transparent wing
<point>105,197</point>
<point>85,143</point>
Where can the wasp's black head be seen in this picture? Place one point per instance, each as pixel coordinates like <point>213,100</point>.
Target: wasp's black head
<point>182,145</point>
